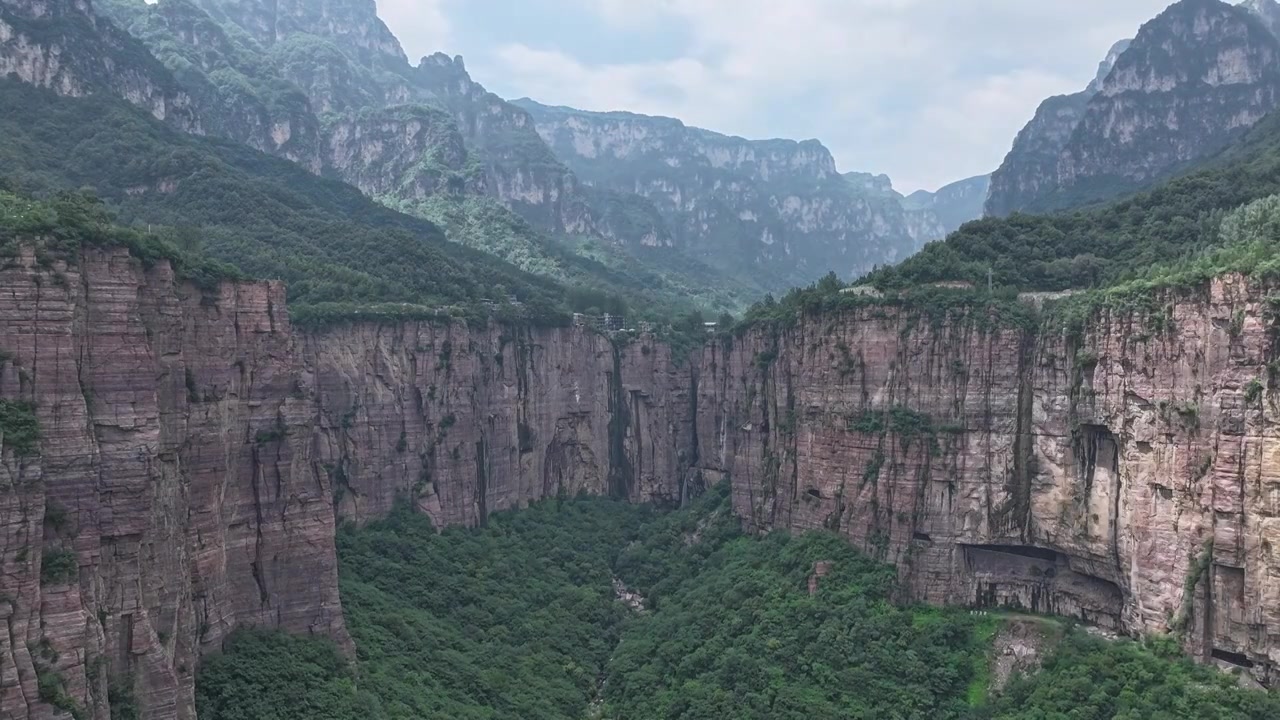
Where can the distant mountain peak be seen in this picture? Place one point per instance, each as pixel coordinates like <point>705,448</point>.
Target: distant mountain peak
<point>1195,77</point>
<point>1108,63</point>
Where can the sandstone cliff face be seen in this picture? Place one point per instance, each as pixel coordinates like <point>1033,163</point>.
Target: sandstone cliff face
<point>999,467</point>
<point>174,475</point>
<point>196,451</point>
<point>739,204</point>
<point>465,422</point>
<point>64,46</point>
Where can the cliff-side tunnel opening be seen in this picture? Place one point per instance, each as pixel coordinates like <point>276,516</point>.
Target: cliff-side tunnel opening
<point>1039,580</point>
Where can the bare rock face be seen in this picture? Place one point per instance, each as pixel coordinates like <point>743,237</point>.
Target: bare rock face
<point>1194,79</point>
<point>232,92</point>
<point>195,448</point>
<point>408,152</point>
<point>1097,478</point>
<point>1031,167</point>
<point>66,47</point>
<point>174,481</point>
<point>466,422</point>
<point>197,451</point>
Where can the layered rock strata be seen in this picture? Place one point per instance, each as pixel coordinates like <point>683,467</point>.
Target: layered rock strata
<point>197,452</point>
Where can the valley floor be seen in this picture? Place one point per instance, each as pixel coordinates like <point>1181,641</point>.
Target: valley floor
<point>523,619</point>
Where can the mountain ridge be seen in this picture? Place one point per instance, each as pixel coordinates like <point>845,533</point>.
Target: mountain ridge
<point>1193,79</point>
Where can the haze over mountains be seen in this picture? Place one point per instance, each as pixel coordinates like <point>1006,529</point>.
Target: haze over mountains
<point>329,87</point>
<point>263,278</point>
<point>1192,80</point>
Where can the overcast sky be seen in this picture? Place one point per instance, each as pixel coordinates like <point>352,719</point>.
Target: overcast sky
<point>928,91</point>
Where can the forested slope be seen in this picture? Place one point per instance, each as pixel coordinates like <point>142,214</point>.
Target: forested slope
<point>527,618</point>
<point>339,251</point>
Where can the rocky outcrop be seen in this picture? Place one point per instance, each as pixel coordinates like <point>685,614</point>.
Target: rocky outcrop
<point>523,172</point>
<point>66,47</point>
<point>1031,168</point>
<point>741,205</point>
<point>407,152</point>
<point>1125,478</point>
<point>197,451</point>
<point>231,88</point>
<point>353,25</point>
<point>1194,79</point>
<point>1268,11</point>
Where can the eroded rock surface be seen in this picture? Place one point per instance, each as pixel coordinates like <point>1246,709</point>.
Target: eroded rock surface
<point>1093,477</point>
<point>198,451</point>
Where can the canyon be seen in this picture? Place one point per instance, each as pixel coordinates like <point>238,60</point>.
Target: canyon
<point>197,452</point>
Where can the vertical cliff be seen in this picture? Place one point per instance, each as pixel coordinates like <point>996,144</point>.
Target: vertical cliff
<point>1031,167</point>
<point>172,495</point>
<point>1123,477</point>
<point>196,452</point>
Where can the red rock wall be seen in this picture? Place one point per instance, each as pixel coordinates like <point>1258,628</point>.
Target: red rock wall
<point>196,449</point>
<point>150,397</point>
<point>197,453</point>
<point>1079,477</point>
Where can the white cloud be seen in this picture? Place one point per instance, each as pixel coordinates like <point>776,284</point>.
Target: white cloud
<point>422,25</point>
<point>927,90</point>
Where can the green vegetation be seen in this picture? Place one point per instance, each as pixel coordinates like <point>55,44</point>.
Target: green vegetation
<point>738,635</point>
<point>1196,572</point>
<point>1149,251</point>
<point>934,305</point>
<point>58,566</point>
<point>1094,679</point>
<point>53,690</point>
<point>262,676</point>
<point>1171,226</point>
<point>900,420</point>
<point>222,210</point>
<point>19,428</point>
<point>517,619</point>
<point>520,618</point>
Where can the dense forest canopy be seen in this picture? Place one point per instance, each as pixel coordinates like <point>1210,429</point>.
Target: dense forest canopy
<point>523,618</point>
